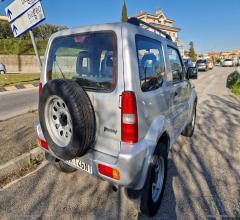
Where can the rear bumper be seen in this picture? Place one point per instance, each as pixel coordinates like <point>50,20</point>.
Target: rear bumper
<point>201,67</point>
<point>132,162</point>
<point>227,64</point>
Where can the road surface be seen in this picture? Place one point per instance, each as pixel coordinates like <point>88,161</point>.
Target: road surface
<point>17,102</point>
<point>203,178</point>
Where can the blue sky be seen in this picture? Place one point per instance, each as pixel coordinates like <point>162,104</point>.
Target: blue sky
<point>213,25</point>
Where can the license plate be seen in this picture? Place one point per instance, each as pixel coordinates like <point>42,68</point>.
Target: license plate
<point>80,165</point>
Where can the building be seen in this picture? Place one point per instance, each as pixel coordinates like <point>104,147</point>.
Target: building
<point>234,55</point>
<point>160,21</point>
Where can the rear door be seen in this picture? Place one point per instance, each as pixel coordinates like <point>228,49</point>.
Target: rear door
<point>178,89</point>
<point>92,59</point>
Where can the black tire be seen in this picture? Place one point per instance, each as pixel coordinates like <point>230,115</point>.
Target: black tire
<point>147,205</point>
<point>2,72</point>
<point>144,197</point>
<point>189,129</point>
<point>63,167</point>
<point>82,117</point>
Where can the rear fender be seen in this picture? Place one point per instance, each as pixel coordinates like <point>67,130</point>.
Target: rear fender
<point>156,130</point>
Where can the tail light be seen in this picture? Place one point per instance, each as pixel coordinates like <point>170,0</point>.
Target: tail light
<point>40,88</point>
<point>109,171</point>
<point>43,144</point>
<point>129,125</point>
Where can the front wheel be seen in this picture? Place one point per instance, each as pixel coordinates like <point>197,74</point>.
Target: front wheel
<point>2,72</point>
<point>189,129</point>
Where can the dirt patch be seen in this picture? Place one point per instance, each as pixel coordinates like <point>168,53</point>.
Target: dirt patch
<point>17,136</point>
<point>33,165</point>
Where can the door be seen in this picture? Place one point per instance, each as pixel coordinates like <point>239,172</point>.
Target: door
<point>178,89</point>
<point>152,98</point>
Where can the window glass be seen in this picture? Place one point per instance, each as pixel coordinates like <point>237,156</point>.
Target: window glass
<point>90,59</point>
<point>151,63</point>
<point>176,64</point>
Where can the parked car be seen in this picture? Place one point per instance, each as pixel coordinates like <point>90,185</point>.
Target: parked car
<point>210,65</point>
<point>2,69</point>
<point>114,111</point>
<point>188,63</point>
<point>202,65</point>
<point>227,63</point>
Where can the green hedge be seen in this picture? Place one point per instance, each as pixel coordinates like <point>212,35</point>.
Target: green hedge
<point>21,47</point>
<point>234,83</point>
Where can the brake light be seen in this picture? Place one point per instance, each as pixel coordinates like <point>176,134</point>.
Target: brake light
<point>43,144</point>
<point>129,116</point>
<point>40,88</point>
<point>109,172</point>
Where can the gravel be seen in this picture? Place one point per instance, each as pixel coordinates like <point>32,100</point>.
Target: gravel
<point>203,180</point>
<point>17,136</point>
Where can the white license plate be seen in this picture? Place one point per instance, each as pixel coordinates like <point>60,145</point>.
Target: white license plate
<point>79,165</point>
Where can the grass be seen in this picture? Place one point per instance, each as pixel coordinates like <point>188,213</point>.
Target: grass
<point>18,79</point>
<point>234,83</point>
<point>21,47</point>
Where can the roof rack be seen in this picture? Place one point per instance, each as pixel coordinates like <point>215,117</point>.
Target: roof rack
<point>138,22</point>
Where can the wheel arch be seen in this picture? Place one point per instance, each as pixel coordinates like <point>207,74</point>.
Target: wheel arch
<point>165,139</point>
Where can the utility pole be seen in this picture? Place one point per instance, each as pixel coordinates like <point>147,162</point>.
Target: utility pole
<point>35,49</point>
<point>3,18</point>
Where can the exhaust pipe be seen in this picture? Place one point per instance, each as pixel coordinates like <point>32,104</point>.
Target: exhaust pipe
<point>115,188</point>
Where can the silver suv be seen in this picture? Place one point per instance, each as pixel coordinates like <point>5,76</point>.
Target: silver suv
<point>113,100</point>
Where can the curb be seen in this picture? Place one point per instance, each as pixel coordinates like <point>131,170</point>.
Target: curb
<point>18,87</point>
<point>43,164</point>
<point>19,162</point>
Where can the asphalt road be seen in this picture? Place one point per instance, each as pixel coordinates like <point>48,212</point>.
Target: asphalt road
<point>203,178</point>
<point>17,102</point>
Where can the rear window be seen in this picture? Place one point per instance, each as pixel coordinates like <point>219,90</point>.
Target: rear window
<point>201,61</point>
<point>90,59</point>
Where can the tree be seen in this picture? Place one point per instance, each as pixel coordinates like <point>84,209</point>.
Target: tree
<point>41,32</point>
<point>5,31</point>
<point>44,31</point>
<point>192,53</point>
<point>124,12</point>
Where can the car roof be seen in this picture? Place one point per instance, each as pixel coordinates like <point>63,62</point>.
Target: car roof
<point>108,27</point>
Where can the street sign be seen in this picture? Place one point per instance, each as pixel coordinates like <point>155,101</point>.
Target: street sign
<point>18,7</point>
<point>28,20</point>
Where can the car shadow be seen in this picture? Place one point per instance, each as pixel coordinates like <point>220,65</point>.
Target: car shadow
<point>202,183</point>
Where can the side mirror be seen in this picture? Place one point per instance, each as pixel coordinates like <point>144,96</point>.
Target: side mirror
<point>192,73</point>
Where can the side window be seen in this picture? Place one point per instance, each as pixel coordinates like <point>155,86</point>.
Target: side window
<point>176,65</point>
<point>150,62</point>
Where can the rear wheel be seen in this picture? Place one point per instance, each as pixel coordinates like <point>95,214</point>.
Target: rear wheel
<point>60,165</point>
<point>151,195</point>
<point>2,72</point>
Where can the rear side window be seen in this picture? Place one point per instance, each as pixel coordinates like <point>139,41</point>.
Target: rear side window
<point>176,64</point>
<point>90,59</point>
<point>150,62</point>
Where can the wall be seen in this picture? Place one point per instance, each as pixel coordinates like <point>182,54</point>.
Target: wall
<point>20,63</point>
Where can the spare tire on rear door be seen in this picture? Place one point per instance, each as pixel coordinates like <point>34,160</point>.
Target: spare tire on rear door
<point>67,118</point>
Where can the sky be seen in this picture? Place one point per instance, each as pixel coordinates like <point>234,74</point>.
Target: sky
<point>213,25</point>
